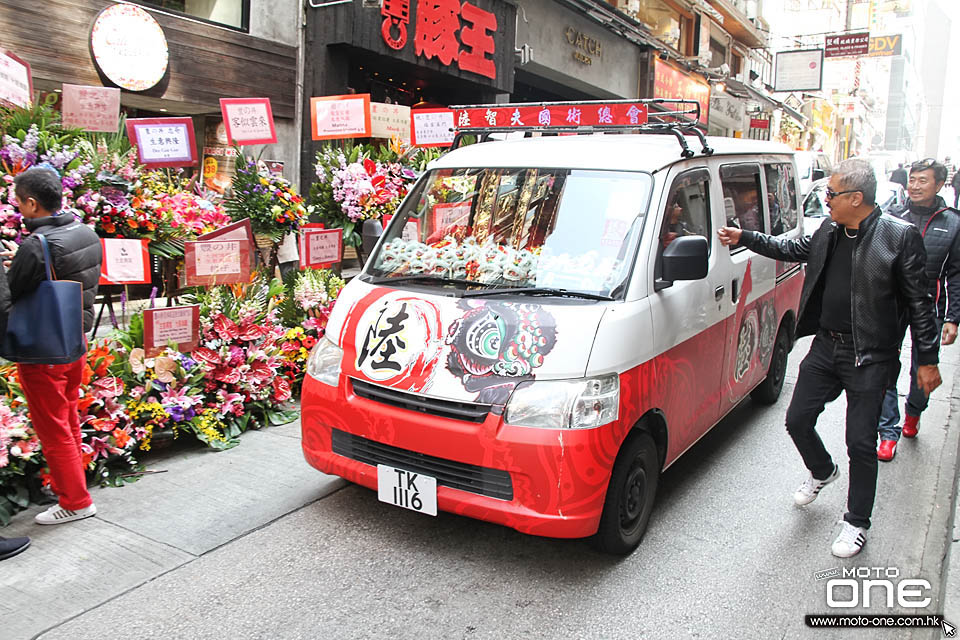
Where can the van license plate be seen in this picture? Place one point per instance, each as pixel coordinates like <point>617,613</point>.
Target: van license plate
<point>407,489</point>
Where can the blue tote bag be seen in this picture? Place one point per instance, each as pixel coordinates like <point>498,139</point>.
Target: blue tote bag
<point>46,325</point>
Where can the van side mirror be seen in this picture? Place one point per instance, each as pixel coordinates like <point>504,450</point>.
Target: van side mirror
<point>685,258</point>
<point>818,174</point>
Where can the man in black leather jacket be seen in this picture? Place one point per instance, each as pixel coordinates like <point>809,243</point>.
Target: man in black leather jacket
<point>865,283</point>
<point>940,228</point>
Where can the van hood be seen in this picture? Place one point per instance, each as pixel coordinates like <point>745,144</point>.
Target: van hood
<point>463,349</point>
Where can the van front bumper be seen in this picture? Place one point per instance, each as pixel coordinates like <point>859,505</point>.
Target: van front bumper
<point>557,479</point>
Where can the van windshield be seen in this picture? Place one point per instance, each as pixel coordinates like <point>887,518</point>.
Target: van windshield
<point>565,229</point>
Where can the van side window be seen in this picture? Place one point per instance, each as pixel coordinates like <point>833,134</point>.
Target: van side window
<point>688,208</point>
<point>741,196</point>
<point>781,198</point>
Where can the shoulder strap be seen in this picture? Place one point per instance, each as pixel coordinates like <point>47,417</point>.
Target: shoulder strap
<point>47,262</point>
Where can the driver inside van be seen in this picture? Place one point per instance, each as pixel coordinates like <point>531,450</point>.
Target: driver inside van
<point>675,223</point>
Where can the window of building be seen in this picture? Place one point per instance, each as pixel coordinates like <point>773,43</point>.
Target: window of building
<point>741,196</point>
<point>662,20</point>
<point>718,53</point>
<point>229,13</point>
<point>781,198</point>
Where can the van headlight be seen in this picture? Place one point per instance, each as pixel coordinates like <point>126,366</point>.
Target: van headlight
<point>323,364</point>
<point>583,403</point>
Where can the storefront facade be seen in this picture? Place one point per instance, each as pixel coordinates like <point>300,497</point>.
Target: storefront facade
<point>572,57</point>
<point>453,53</point>
<point>240,48</point>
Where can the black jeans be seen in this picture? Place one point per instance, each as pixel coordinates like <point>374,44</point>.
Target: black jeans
<point>827,370</point>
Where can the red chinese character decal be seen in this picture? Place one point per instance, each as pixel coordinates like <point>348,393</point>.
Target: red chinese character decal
<point>437,24</point>
<point>396,14</point>
<point>476,38</point>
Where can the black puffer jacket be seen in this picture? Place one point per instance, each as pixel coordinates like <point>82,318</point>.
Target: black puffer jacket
<point>888,274</point>
<point>76,253</point>
<point>941,239</point>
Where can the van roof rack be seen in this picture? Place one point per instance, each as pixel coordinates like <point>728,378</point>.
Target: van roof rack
<point>662,116</point>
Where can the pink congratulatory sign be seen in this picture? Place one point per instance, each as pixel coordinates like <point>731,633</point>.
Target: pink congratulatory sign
<point>91,108</point>
<point>248,120</point>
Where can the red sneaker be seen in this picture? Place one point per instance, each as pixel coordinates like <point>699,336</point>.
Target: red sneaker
<point>910,426</point>
<point>888,449</point>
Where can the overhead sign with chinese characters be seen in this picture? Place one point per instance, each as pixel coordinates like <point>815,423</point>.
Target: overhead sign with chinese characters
<point>800,70</point>
<point>16,83</point>
<point>445,30</point>
<point>91,108</point>
<point>163,142</point>
<point>589,114</point>
<point>334,117</point>
<point>129,47</point>
<point>390,121</point>
<point>248,120</point>
<point>674,84</point>
<point>431,127</point>
<point>847,44</point>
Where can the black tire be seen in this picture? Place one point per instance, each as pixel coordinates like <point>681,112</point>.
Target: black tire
<point>768,391</point>
<point>630,496</point>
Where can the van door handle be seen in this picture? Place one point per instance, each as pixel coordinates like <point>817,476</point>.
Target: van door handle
<point>735,291</point>
<point>718,293</point>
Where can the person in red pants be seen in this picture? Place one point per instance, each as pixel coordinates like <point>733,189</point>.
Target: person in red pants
<point>53,391</point>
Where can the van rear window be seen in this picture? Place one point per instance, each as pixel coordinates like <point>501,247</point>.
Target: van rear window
<point>519,227</point>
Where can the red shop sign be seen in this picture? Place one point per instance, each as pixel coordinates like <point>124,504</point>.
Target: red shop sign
<point>586,115</point>
<point>436,25</point>
<point>672,84</point>
<point>757,123</point>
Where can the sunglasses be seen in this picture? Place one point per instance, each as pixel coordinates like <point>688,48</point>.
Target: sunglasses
<point>923,165</point>
<point>831,194</point>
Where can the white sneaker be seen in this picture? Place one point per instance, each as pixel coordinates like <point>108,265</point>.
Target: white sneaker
<point>849,542</point>
<point>58,515</point>
<point>811,487</point>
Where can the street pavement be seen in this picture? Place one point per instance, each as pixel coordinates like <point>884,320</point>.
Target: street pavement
<point>253,543</point>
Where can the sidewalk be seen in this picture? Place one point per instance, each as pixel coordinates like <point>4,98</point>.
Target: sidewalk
<point>205,499</point>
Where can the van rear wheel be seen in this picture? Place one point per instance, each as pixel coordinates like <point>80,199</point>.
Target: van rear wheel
<point>768,391</point>
<point>630,496</point>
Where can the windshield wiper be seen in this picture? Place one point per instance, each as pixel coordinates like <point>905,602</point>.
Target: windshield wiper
<point>537,291</point>
<point>428,278</point>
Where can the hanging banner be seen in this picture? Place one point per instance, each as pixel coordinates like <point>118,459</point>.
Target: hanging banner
<point>125,261</point>
<point>163,142</point>
<point>16,81</point>
<point>177,325</point>
<point>587,115</point>
<point>847,44</point>
<point>390,121</point>
<point>320,248</point>
<point>800,70</point>
<point>91,108</point>
<point>210,262</point>
<point>248,120</point>
<point>333,117</point>
<point>431,127</point>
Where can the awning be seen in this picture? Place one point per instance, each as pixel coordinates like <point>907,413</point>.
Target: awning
<point>744,89</point>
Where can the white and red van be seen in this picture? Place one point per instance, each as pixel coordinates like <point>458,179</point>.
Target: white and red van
<point>548,323</point>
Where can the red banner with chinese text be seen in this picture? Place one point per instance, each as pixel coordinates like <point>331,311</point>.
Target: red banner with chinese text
<point>585,115</point>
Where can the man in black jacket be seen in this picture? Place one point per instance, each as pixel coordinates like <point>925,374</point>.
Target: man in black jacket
<point>864,283</point>
<point>940,228</point>
<point>53,391</point>
<point>899,176</point>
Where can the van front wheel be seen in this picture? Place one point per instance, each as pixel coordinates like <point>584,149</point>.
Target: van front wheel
<point>630,496</point>
<point>768,391</point>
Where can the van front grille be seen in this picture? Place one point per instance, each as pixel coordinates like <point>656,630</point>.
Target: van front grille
<point>467,411</point>
<point>456,475</point>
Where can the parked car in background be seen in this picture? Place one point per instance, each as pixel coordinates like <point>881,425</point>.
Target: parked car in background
<point>812,166</point>
<point>889,194</point>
